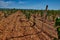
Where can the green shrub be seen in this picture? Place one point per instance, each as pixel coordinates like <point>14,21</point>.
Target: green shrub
<point>58,30</point>
<point>57,23</point>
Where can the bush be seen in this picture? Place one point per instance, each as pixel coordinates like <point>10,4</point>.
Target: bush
<point>58,30</point>
<point>57,23</point>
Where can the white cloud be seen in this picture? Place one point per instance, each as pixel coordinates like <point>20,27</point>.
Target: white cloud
<point>21,2</point>
<point>7,3</point>
<point>3,4</point>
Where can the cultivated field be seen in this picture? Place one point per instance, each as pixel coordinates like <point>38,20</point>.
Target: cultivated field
<point>20,26</point>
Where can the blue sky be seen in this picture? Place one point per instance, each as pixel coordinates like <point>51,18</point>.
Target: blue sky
<point>30,4</point>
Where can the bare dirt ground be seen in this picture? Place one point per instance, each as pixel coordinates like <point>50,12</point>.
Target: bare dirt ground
<point>17,27</point>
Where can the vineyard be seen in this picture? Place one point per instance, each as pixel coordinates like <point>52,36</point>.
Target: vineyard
<point>21,24</point>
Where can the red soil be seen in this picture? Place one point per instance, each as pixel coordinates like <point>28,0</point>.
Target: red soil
<point>18,27</point>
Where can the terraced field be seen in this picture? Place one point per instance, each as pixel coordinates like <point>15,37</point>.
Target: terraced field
<point>18,27</point>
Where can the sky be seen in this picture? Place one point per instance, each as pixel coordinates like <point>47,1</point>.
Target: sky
<point>30,4</point>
